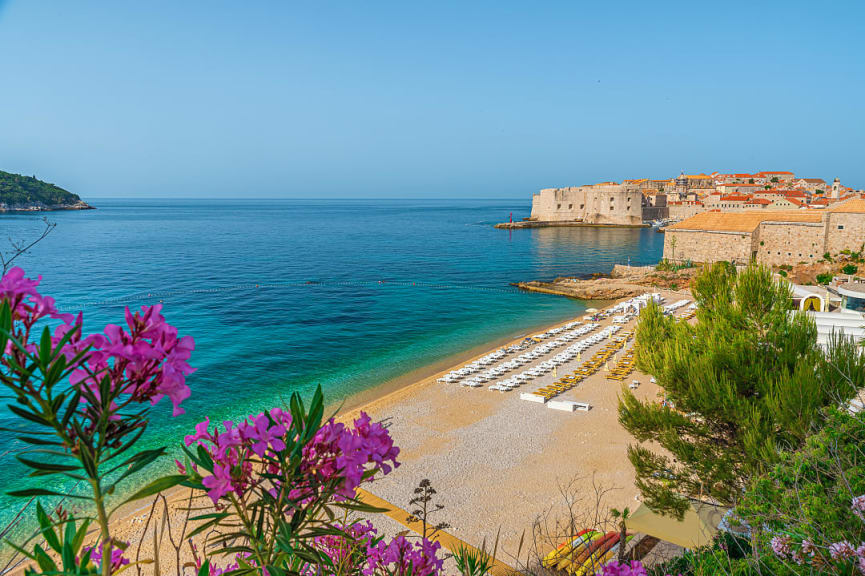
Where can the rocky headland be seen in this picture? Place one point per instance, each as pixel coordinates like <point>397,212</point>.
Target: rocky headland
<point>622,282</point>
<point>28,194</point>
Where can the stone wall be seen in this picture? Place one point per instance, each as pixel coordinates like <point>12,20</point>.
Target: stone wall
<point>600,204</point>
<point>682,211</point>
<point>844,231</point>
<point>789,242</point>
<point>705,246</point>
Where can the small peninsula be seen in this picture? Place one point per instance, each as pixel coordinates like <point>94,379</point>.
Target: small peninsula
<point>28,194</point>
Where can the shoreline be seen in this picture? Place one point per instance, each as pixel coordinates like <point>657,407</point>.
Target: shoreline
<point>394,394</point>
<point>391,389</point>
<point>524,224</point>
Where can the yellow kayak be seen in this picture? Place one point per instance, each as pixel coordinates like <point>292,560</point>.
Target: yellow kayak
<point>565,548</point>
<point>578,554</point>
<point>600,558</point>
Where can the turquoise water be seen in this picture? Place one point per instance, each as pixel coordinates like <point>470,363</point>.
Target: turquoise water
<point>350,293</point>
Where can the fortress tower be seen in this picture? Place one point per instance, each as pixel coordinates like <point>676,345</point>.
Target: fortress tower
<point>836,188</point>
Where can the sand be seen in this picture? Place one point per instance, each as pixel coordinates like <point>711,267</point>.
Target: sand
<point>497,462</point>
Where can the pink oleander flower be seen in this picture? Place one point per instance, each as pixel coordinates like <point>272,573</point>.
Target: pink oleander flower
<point>117,559</point>
<point>858,507</point>
<point>25,302</point>
<point>634,568</point>
<point>400,555</point>
<point>841,550</point>
<point>148,361</point>
<point>781,545</point>
<point>347,551</point>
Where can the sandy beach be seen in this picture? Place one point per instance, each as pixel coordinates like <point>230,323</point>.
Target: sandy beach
<point>498,463</point>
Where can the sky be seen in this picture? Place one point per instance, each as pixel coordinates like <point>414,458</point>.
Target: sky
<point>438,99</point>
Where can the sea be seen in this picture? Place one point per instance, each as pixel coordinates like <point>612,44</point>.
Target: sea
<point>282,296</point>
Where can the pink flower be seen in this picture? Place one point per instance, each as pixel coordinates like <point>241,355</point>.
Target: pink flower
<point>264,434</point>
<point>634,568</point>
<point>400,557</point>
<point>781,546</point>
<point>841,550</point>
<point>858,506</point>
<point>219,484</point>
<point>117,559</point>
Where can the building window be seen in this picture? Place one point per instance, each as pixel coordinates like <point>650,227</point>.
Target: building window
<point>558,207</point>
<point>611,208</point>
<point>628,208</point>
<point>611,198</point>
<point>840,227</point>
<point>570,206</point>
<point>581,206</point>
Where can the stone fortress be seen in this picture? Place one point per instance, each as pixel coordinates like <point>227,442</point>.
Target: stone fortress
<point>605,203</point>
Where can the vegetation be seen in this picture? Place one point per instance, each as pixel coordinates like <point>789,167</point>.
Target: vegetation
<point>849,269</point>
<point>17,190</point>
<point>283,483</point>
<point>805,516</point>
<point>744,382</point>
<point>824,278</point>
<point>666,265</point>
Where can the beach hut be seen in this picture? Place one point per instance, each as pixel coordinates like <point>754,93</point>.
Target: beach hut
<point>697,528</point>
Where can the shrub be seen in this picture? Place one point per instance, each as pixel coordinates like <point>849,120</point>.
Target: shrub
<point>827,257</point>
<point>850,269</point>
<point>283,483</point>
<point>783,273</point>
<point>824,278</point>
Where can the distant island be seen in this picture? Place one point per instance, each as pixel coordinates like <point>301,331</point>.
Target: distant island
<point>28,194</point>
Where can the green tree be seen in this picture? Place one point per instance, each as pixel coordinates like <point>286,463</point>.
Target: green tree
<point>850,269</point>
<point>747,380</point>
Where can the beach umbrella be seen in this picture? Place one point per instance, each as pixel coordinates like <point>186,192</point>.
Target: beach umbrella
<point>697,528</point>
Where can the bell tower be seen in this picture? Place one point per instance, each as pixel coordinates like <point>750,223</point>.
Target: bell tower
<point>836,188</point>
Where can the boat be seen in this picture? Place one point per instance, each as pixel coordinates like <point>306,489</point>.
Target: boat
<point>579,555</point>
<point>604,543</point>
<point>555,556</point>
<point>599,559</point>
<point>581,546</point>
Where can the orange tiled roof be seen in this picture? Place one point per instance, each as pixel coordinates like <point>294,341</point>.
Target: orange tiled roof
<point>774,172</point>
<point>854,205</point>
<point>746,221</point>
<point>735,198</point>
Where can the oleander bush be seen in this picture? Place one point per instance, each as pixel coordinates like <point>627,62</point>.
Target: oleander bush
<point>282,484</point>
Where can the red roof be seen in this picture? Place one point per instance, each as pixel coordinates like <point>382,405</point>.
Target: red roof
<point>735,198</point>
<point>760,201</point>
<point>775,172</point>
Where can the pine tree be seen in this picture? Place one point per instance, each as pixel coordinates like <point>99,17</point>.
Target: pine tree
<point>746,381</point>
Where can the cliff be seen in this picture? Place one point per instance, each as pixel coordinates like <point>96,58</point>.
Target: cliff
<point>28,194</point>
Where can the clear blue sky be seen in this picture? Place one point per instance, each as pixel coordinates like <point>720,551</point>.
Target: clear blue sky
<point>450,99</point>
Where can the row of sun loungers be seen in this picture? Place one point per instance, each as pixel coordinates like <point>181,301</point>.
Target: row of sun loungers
<point>472,376</point>
<point>589,367</point>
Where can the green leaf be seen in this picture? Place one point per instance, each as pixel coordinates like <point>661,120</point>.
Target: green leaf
<point>78,541</point>
<point>47,528</point>
<point>205,568</point>
<point>28,415</point>
<point>203,527</point>
<point>5,323</point>
<point>45,349</point>
<point>46,467</point>
<point>157,486</point>
<point>87,460</point>
<point>31,492</point>
<point>44,560</point>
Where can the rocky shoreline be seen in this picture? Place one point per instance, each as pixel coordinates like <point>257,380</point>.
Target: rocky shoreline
<point>39,207</point>
<point>521,224</point>
<point>622,282</point>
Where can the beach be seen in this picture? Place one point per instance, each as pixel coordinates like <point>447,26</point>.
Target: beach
<point>499,464</point>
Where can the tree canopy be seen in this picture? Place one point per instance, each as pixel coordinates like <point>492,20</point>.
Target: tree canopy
<point>17,190</point>
<point>745,382</point>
